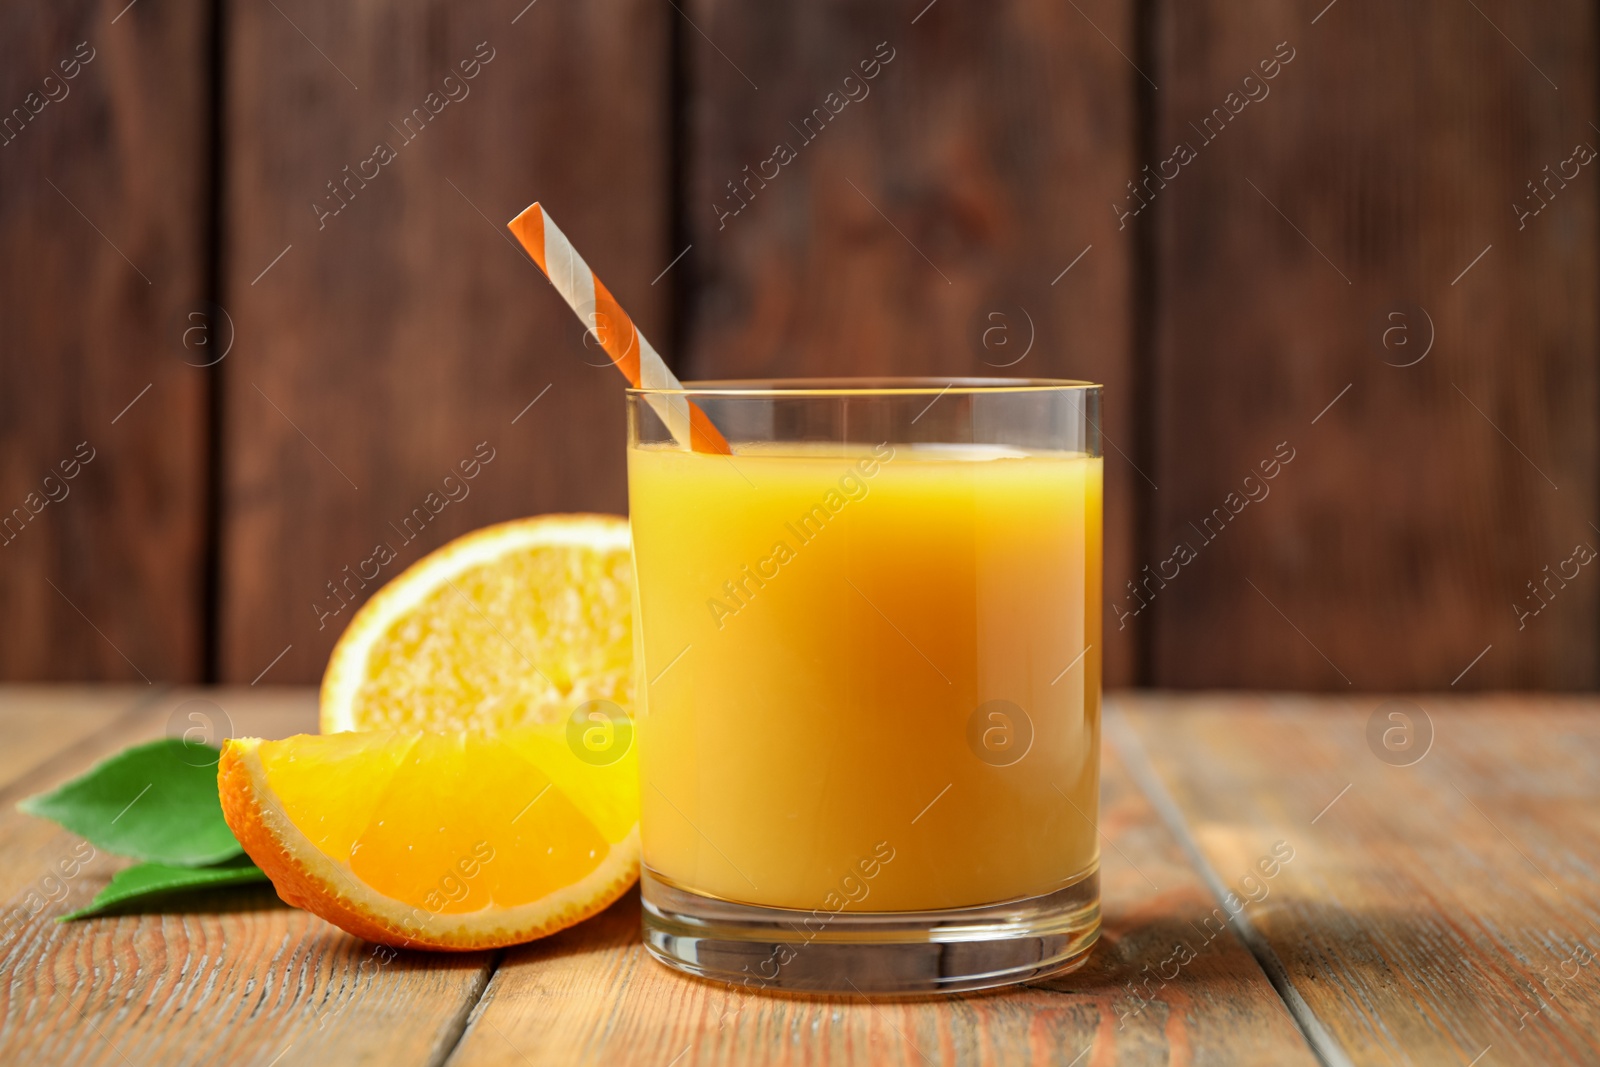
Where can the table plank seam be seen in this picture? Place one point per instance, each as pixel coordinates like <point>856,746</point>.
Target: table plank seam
<point>1120,732</point>
<point>451,1035</point>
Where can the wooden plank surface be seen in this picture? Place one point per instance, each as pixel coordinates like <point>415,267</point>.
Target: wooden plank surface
<point>870,190</point>
<point>236,977</point>
<point>405,335</point>
<point>1385,170</point>
<point>1411,911</point>
<point>927,225</point>
<point>42,722</point>
<point>102,233</point>
<point>593,995</point>
<point>1439,912</point>
<point>1350,203</point>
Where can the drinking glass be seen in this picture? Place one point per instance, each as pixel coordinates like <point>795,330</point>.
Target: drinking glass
<point>868,681</point>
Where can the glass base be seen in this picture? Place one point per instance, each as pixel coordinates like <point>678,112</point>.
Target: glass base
<point>872,953</point>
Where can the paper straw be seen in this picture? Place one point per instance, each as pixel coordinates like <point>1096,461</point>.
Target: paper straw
<point>630,353</point>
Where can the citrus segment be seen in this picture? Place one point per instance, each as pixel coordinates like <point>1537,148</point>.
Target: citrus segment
<point>330,791</point>
<point>606,793</point>
<point>516,623</point>
<point>453,841</point>
<point>528,838</point>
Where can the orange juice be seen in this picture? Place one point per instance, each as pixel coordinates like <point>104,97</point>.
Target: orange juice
<point>867,675</point>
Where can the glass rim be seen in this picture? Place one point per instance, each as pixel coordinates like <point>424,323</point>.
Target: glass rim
<point>863,386</point>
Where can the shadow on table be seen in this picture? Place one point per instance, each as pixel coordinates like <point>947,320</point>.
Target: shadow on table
<point>1128,962</point>
<point>213,901</point>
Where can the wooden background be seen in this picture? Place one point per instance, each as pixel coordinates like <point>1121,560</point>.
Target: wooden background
<point>161,212</point>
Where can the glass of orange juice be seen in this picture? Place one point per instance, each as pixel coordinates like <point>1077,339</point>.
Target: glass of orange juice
<point>868,681</point>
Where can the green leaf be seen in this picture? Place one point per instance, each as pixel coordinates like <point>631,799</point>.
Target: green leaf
<point>156,802</point>
<point>150,880</point>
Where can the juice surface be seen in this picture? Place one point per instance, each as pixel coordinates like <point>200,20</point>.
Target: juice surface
<point>820,634</point>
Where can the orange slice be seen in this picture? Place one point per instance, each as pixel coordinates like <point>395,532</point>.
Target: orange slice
<point>437,840</point>
<point>515,624</point>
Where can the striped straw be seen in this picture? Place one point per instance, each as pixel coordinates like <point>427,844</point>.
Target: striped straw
<point>630,353</point>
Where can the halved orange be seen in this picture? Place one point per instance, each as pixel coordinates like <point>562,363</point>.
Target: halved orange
<point>437,840</point>
<point>514,624</point>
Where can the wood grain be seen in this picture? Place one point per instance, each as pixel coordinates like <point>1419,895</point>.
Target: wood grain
<point>1431,912</point>
<point>592,994</point>
<point>396,335</point>
<point>1378,165</point>
<point>234,977</point>
<point>1407,161</point>
<point>102,224</point>
<point>924,228</point>
<point>1428,905</point>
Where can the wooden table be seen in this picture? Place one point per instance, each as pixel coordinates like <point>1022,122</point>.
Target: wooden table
<point>1441,912</point>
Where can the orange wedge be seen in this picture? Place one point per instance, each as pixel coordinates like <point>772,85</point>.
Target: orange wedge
<point>514,624</point>
<point>437,840</point>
